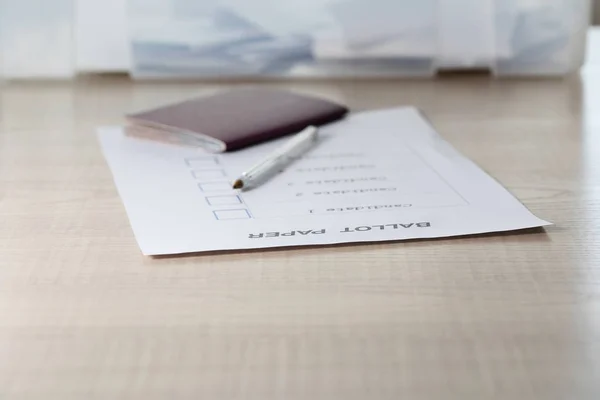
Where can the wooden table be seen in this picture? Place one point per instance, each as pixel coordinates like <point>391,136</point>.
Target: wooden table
<point>83,315</point>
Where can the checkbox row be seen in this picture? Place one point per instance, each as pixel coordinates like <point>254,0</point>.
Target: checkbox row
<point>209,187</point>
<point>225,200</point>
<point>202,162</point>
<point>222,215</point>
<point>207,174</point>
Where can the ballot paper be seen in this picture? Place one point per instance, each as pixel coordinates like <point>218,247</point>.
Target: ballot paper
<point>214,43</point>
<point>375,176</point>
<point>332,44</point>
<point>388,20</point>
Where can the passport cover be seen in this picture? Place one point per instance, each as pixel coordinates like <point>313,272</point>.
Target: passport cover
<point>235,119</point>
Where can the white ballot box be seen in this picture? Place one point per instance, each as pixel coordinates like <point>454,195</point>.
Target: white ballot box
<point>247,38</point>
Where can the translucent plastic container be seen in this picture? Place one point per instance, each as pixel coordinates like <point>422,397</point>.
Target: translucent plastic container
<point>249,38</point>
<point>36,39</point>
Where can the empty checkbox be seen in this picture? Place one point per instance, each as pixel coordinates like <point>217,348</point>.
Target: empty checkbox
<point>215,186</point>
<point>202,162</point>
<point>204,174</point>
<point>228,200</point>
<point>222,215</point>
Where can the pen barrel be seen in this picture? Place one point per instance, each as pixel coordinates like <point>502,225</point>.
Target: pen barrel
<point>283,155</point>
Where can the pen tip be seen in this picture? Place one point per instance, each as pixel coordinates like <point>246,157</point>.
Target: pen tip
<point>238,184</point>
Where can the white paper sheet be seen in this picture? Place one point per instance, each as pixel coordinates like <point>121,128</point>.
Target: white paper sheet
<point>375,176</point>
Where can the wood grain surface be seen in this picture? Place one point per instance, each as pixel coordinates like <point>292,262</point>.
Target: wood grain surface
<point>83,315</point>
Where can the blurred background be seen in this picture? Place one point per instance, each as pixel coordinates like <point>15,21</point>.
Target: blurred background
<point>224,38</point>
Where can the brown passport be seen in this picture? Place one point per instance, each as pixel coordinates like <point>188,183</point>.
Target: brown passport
<point>235,119</point>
